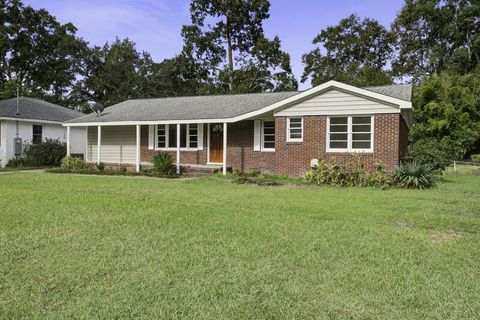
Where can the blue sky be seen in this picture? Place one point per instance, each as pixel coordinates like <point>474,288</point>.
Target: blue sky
<point>154,25</point>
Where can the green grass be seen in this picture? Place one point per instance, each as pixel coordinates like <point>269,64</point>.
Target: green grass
<point>118,247</point>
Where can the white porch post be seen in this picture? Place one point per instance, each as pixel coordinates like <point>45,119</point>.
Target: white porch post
<point>178,148</point>
<point>137,158</point>
<point>224,148</point>
<point>68,141</point>
<point>99,146</point>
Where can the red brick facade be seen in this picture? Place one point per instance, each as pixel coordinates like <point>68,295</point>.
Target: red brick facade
<point>293,158</point>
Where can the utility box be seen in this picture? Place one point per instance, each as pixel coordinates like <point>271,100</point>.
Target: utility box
<point>17,146</point>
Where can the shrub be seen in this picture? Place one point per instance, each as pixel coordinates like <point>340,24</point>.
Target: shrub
<point>352,173</point>
<point>49,152</point>
<point>251,173</point>
<point>73,164</point>
<point>261,181</point>
<point>17,162</point>
<point>163,164</point>
<point>101,166</point>
<point>430,152</point>
<point>412,175</point>
<point>476,157</point>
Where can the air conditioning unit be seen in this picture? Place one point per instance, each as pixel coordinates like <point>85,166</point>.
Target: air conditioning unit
<point>17,146</point>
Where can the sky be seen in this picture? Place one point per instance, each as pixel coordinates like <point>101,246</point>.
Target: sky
<point>155,25</point>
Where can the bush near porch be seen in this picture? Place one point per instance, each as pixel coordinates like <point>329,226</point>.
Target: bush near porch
<point>98,247</point>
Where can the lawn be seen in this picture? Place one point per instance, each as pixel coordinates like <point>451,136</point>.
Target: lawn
<point>116,247</point>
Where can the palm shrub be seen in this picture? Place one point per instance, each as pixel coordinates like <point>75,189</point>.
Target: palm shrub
<point>163,164</point>
<point>412,175</point>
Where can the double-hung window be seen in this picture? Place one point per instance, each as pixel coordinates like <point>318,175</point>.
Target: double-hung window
<point>350,134</point>
<point>268,135</point>
<point>37,133</point>
<point>294,129</point>
<point>167,136</point>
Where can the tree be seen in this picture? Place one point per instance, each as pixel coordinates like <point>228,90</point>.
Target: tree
<point>112,73</point>
<point>37,52</point>
<point>231,48</point>
<point>354,51</point>
<point>447,109</point>
<point>437,35</point>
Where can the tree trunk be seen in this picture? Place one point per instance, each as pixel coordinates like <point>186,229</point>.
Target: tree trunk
<point>230,55</point>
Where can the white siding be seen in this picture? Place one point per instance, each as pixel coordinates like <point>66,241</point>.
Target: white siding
<point>118,144</point>
<point>25,131</point>
<point>336,102</point>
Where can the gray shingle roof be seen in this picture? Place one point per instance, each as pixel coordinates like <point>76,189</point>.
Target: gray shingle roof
<point>399,91</point>
<point>187,108</point>
<point>208,107</point>
<point>36,109</point>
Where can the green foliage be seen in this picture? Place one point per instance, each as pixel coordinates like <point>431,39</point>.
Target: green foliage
<point>73,163</point>
<point>430,152</point>
<point>411,175</point>
<point>259,180</point>
<point>48,152</point>
<point>435,36</point>
<point>163,164</point>
<point>350,174</point>
<point>251,173</point>
<point>447,109</point>
<point>476,157</point>
<point>101,166</point>
<point>354,51</point>
<point>37,52</point>
<point>235,28</point>
<point>17,162</point>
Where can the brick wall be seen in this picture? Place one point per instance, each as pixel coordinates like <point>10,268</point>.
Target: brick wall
<point>294,158</point>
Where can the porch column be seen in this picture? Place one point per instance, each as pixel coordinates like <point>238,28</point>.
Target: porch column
<point>178,148</point>
<point>137,158</point>
<point>224,148</point>
<point>99,146</point>
<point>68,141</point>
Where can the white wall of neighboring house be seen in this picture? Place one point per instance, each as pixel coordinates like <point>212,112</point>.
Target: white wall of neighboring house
<point>11,129</point>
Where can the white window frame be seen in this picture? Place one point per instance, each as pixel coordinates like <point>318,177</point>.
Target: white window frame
<point>349,148</point>
<point>288,130</point>
<point>262,136</point>
<point>167,133</point>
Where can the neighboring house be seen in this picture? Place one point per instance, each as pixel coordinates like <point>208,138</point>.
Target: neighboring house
<point>280,132</point>
<point>35,120</point>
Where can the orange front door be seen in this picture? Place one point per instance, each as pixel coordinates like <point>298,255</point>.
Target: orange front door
<point>216,142</point>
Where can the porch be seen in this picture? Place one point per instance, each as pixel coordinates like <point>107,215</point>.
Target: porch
<point>135,145</point>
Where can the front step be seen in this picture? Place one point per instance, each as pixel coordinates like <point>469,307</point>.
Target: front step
<point>199,170</point>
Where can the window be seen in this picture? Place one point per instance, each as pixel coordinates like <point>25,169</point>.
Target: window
<point>161,136</point>
<point>37,133</point>
<point>350,134</point>
<point>295,129</point>
<point>268,135</point>
<point>167,136</point>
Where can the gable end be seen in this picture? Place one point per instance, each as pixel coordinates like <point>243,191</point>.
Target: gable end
<point>335,101</point>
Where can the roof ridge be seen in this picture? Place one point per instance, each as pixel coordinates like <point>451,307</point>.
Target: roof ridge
<point>213,95</point>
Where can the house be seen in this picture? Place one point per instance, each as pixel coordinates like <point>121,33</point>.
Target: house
<point>280,132</point>
<point>34,120</point>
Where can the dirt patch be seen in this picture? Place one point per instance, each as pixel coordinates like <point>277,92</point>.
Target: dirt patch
<point>439,237</point>
<point>404,224</point>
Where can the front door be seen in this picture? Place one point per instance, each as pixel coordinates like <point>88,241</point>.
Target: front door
<point>216,142</point>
